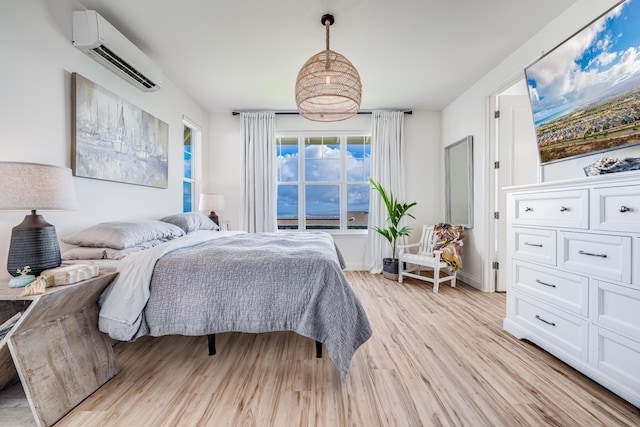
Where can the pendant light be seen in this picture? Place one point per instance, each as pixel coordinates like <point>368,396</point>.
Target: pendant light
<point>328,87</point>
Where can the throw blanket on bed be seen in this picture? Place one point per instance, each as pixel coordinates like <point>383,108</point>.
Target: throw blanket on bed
<point>258,282</point>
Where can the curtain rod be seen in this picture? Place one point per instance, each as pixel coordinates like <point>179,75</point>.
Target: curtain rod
<point>235,113</point>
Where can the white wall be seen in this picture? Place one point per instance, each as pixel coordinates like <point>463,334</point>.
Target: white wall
<point>457,123</point>
<point>35,116</point>
<point>423,168</point>
<point>469,115</point>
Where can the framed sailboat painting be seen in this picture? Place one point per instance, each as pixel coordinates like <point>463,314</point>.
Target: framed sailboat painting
<point>114,140</point>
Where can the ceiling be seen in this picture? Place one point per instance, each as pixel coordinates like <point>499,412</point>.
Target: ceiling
<point>244,55</point>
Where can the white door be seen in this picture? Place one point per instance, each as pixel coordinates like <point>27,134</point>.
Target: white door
<point>517,153</point>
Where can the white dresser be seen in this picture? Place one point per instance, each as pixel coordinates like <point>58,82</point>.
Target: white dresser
<point>574,275</point>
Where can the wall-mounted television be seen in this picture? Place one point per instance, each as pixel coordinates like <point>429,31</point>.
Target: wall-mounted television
<point>585,93</point>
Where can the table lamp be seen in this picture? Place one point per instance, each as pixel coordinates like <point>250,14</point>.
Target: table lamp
<point>211,202</point>
<point>31,187</point>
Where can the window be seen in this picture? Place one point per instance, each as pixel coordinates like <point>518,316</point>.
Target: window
<point>323,182</point>
<point>191,143</point>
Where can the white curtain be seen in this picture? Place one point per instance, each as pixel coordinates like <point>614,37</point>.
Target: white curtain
<point>259,212</point>
<point>387,169</point>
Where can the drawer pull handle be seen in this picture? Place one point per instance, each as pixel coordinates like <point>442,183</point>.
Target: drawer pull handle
<point>592,254</point>
<point>546,284</point>
<point>563,209</point>
<point>545,321</point>
<point>624,209</point>
<point>537,245</point>
<point>528,209</point>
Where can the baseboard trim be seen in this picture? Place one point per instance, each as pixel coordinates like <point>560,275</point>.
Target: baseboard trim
<point>469,280</point>
<point>355,266</point>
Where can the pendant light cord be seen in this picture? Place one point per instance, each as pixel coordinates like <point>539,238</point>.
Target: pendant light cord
<point>327,24</point>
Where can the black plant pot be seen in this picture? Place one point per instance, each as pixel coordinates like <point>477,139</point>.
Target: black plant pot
<point>390,268</point>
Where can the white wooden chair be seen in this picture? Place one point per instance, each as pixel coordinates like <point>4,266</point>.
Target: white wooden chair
<point>425,257</point>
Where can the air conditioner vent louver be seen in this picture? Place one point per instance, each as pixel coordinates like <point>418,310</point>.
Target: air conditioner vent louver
<point>96,37</point>
<point>122,65</point>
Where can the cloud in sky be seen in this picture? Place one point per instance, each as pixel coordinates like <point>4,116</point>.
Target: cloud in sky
<point>602,57</point>
<point>322,163</point>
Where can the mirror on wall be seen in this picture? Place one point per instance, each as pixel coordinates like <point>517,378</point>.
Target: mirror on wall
<point>458,160</point>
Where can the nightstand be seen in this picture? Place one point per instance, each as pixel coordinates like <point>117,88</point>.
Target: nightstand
<point>55,348</point>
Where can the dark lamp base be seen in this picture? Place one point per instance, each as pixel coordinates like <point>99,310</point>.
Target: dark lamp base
<point>34,243</point>
<point>213,217</point>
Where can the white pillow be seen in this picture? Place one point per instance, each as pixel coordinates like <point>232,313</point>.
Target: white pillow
<point>191,221</point>
<point>83,252</point>
<point>124,234</point>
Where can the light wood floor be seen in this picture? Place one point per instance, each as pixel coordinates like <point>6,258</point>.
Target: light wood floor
<point>434,359</point>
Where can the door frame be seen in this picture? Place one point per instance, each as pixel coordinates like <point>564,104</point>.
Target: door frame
<point>490,190</point>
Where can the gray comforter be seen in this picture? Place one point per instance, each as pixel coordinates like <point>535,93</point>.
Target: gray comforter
<point>257,283</point>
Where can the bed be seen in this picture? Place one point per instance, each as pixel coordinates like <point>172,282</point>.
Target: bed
<point>179,278</point>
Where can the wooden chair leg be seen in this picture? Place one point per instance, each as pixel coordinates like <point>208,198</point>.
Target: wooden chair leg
<point>436,279</point>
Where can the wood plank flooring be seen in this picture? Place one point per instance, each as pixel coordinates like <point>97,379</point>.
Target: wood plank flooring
<point>434,360</point>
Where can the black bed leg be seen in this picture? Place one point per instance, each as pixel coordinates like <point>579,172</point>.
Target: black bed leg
<point>318,350</point>
<point>212,344</point>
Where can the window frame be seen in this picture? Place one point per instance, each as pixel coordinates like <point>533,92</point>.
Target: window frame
<point>196,163</point>
<point>342,183</point>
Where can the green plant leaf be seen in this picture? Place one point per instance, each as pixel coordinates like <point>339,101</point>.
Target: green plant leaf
<point>395,212</point>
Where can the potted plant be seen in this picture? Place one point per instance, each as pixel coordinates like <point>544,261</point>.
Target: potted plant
<point>395,212</point>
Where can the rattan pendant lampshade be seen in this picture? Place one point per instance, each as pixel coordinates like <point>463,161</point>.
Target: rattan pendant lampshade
<point>328,87</point>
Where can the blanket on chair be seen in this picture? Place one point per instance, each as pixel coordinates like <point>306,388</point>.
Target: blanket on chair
<point>449,239</point>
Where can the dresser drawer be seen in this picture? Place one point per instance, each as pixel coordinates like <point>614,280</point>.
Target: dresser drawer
<point>563,330</point>
<point>600,255</point>
<point>535,245</point>
<point>565,290</point>
<point>617,308</point>
<point>616,209</point>
<point>617,357</point>
<point>568,209</point>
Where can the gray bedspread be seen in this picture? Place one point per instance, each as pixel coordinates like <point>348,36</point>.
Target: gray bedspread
<point>258,282</point>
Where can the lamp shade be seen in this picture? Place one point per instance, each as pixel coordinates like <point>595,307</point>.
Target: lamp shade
<point>30,186</point>
<point>328,93</point>
<point>328,87</point>
<point>211,202</point>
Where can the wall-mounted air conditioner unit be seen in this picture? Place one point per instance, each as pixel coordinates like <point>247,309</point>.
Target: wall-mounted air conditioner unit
<point>99,39</point>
